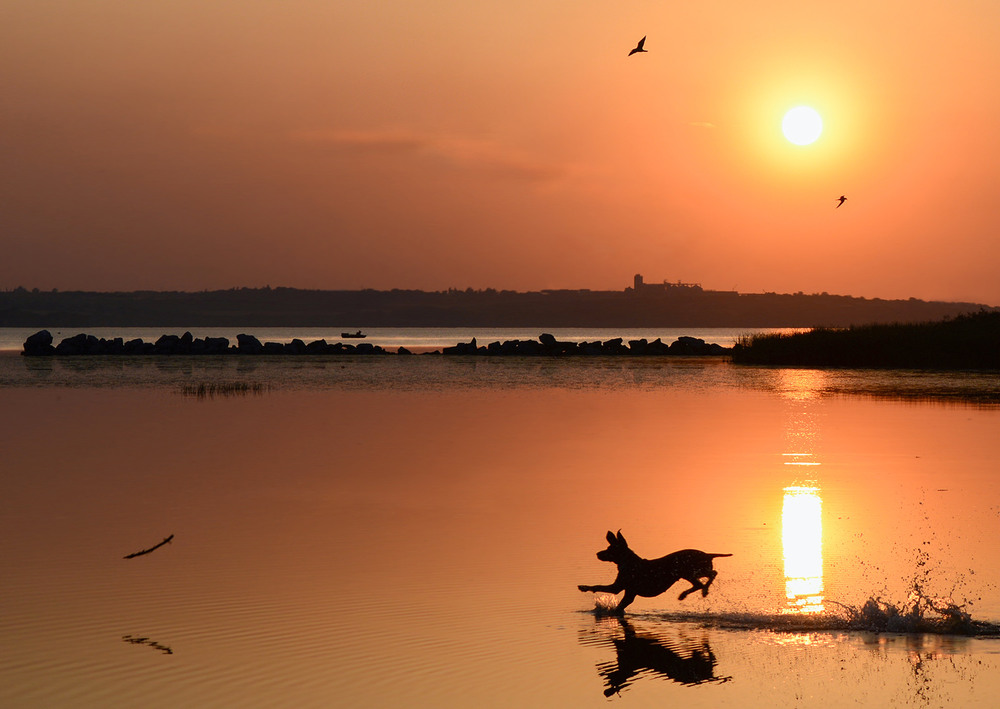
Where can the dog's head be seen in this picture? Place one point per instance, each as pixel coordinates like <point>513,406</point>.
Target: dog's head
<point>617,548</point>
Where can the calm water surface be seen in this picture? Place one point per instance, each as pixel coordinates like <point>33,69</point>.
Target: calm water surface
<point>410,532</point>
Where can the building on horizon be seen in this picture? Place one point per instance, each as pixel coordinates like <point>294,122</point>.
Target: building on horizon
<point>640,286</point>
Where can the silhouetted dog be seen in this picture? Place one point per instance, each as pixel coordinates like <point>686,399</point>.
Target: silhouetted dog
<point>651,577</point>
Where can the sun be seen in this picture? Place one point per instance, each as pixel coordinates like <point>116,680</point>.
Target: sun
<point>802,125</point>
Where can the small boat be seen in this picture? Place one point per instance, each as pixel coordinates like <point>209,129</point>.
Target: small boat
<point>353,335</point>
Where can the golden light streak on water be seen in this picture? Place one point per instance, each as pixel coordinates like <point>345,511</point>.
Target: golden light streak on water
<point>802,546</point>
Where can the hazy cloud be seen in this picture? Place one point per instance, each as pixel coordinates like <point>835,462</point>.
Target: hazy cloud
<point>459,152</point>
<point>368,140</point>
<point>494,158</point>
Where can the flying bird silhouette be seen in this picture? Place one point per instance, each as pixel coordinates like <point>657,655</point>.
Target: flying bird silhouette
<point>638,47</point>
<point>841,199</point>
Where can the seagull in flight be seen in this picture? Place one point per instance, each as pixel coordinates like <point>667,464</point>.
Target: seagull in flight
<point>638,47</point>
<point>841,199</point>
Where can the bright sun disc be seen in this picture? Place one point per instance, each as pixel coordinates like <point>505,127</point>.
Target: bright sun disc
<point>802,125</point>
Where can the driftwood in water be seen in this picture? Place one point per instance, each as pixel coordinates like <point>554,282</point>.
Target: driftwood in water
<point>135,640</point>
<point>152,548</point>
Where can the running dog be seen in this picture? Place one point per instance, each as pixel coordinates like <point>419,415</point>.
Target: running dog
<point>651,577</point>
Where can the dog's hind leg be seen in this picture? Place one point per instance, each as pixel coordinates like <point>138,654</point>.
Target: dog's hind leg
<point>695,586</point>
<point>697,583</point>
<point>711,577</point>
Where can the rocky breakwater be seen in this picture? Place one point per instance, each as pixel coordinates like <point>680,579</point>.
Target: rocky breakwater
<point>40,344</point>
<point>548,345</point>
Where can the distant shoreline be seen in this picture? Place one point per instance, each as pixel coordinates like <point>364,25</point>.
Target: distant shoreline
<point>644,306</point>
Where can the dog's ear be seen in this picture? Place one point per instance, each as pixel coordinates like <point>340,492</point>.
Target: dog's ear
<point>611,537</point>
<point>621,539</point>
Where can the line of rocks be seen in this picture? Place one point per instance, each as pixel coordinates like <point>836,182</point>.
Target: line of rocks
<point>40,344</point>
<point>546,344</point>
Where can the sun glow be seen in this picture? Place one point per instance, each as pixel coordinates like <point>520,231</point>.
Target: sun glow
<point>802,125</point>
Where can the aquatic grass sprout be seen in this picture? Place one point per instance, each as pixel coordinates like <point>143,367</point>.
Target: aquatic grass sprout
<point>209,390</point>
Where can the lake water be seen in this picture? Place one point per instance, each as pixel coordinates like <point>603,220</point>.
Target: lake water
<point>410,532</point>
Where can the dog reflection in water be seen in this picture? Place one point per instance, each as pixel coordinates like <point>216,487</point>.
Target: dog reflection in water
<point>679,659</point>
<point>651,577</point>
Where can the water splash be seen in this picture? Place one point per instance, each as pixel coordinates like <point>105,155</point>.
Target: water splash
<point>919,613</point>
<point>605,604</point>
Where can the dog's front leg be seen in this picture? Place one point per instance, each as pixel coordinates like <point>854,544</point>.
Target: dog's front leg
<point>615,587</point>
<point>626,600</point>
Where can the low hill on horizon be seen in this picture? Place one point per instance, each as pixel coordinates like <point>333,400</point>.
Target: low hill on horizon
<point>660,306</point>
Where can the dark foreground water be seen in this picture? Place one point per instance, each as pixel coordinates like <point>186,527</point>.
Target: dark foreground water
<point>410,532</point>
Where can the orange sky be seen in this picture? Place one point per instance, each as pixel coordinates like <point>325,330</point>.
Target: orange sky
<point>201,144</point>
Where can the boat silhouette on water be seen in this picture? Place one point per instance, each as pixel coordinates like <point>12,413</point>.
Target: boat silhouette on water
<point>353,335</point>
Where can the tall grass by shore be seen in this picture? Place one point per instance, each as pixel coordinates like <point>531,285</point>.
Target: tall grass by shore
<point>969,341</point>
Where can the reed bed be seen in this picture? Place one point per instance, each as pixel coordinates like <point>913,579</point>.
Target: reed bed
<point>969,341</point>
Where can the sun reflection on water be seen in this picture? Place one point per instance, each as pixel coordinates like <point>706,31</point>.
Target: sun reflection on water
<point>802,509</point>
<point>802,546</point>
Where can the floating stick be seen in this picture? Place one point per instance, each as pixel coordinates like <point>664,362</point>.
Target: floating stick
<point>152,548</point>
<point>134,640</point>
